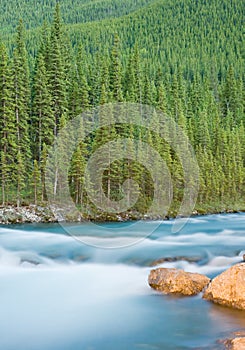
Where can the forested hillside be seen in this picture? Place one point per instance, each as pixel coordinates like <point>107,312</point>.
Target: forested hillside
<point>183,57</point>
<point>35,12</point>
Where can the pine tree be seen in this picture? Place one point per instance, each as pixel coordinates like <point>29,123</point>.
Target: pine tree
<point>104,91</point>
<point>42,115</point>
<point>74,103</point>
<point>21,97</point>
<point>103,136</point>
<point>103,95</point>
<point>56,71</point>
<point>20,178</point>
<point>7,124</point>
<point>162,99</point>
<point>137,74</point>
<point>36,181</point>
<point>84,93</point>
<point>130,81</point>
<point>116,71</point>
<point>149,91</point>
<point>44,48</point>
<point>62,160</point>
<point>43,164</point>
<point>76,174</point>
<point>229,99</point>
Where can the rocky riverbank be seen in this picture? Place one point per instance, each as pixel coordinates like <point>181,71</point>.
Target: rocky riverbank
<point>52,213</point>
<point>48,213</point>
<point>31,214</point>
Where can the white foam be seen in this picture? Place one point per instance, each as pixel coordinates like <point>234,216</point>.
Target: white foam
<point>214,266</point>
<point>223,237</point>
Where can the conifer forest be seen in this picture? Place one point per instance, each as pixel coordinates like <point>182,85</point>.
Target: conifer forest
<point>185,58</point>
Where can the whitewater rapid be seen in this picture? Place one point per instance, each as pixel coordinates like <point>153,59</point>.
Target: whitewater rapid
<point>58,293</point>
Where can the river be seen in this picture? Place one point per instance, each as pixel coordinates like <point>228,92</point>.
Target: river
<point>60,291</point>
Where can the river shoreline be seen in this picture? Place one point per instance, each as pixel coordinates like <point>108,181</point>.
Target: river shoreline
<point>53,214</point>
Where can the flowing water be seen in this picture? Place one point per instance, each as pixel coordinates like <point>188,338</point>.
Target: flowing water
<point>57,293</point>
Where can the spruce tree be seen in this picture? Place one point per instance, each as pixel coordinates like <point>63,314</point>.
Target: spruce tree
<point>56,71</point>
<point>36,177</point>
<point>42,114</point>
<point>116,71</point>
<point>8,140</point>
<point>76,173</point>
<point>43,164</point>
<point>21,100</point>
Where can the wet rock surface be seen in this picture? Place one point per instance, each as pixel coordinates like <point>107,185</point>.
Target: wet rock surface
<point>190,259</point>
<point>175,281</point>
<point>228,288</point>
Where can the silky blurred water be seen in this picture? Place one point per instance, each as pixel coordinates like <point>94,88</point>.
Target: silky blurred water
<point>57,293</point>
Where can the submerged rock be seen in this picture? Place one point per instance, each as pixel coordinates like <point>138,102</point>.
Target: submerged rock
<point>190,259</point>
<point>228,288</point>
<point>175,281</point>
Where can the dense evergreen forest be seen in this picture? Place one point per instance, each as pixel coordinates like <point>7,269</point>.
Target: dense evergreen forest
<point>35,12</point>
<point>185,58</point>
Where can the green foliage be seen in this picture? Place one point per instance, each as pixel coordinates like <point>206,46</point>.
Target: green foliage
<point>73,11</point>
<point>42,116</point>
<point>36,181</point>
<point>184,58</point>
<point>7,123</point>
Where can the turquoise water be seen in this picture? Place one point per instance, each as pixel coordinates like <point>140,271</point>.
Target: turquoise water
<point>60,291</point>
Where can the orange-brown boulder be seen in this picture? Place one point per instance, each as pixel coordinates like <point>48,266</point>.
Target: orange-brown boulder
<point>175,281</point>
<point>228,288</point>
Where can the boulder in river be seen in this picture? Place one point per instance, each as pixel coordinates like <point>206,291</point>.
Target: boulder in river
<point>238,344</point>
<point>228,288</point>
<point>189,259</point>
<point>175,281</point>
